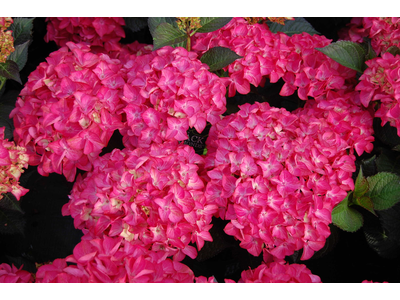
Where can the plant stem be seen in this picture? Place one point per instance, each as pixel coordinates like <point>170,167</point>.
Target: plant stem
<point>188,44</point>
<point>2,82</point>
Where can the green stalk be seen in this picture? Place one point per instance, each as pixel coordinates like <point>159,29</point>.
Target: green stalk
<point>2,82</point>
<point>188,44</point>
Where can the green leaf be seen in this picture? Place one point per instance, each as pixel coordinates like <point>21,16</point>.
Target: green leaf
<point>22,30</point>
<point>181,44</point>
<point>387,134</point>
<point>384,190</point>
<point>221,73</point>
<point>345,217</point>
<point>361,185</point>
<point>9,202</point>
<point>346,53</point>
<point>2,85</point>
<point>153,22</point>
<point>20,55</point>
<point>167,35</point>
<point>135,24</point>
<point>7,104</point>
<point>369,166</point>
<point>219,57</point>
<point>383,233</point>
<point>365,202</point>
<point>10,70</point>
<point>393,50</point>
<point>6,122</point>
<point>11,215</point>
<point>291,27</point>
<point>209,24</point>
<point>370,53</point>
<point>388,161</point>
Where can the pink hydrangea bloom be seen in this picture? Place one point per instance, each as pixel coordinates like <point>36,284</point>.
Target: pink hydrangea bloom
<point>282,173</point>
<point>275,56</point>
<point>73,102</point>
<point>94,31</point>
<point>167,92</point>
<point>69,109</point>
<point>114,260</point>
<point>346,117</point>
<point>11,274</point>
<point>278,272</point>
<point>124,52</point>
<point>370,281</point>
<point>12,161</point>
<point>203,279</point>
<point>152,197</point>
<point>384,32</point>
<point>59,271</point>
<point>381,82</point>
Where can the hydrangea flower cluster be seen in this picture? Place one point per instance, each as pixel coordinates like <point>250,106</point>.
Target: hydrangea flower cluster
<point>11,274</point>
<point>73,102</point>
<point>69,109</point>
<point>346,117</point>
<point>113,260</point>
<point>167,92</point>
<point>281,175</point>
<point>275,175</point>
<point>152,197</point>
<point>381,82</point>
<point>384,32</point>
<point>276,55</point>
<point>94,31</point>
<point>12,161</point>
<point>278,272</point>
<point>125,52</point>
<point>6,38</point>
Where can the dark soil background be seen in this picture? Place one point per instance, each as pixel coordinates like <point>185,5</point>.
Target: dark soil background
<point>46,235</point>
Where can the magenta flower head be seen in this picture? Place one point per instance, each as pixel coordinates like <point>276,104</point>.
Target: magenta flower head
<point>94,31</point>
<point>383,32</point>
<point>113,260</point>
<point>274,56</point>
<point>346,116</point>
<point>255,43</point>
<point>279,272</point>
<point>11,274</point>
<point>151,197</point>
<point>277,175</point>
<point>13,159</point>
<point>167,92</point>
<point>380,82</point>
<point>69,109</point>
<point>60,272</point>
